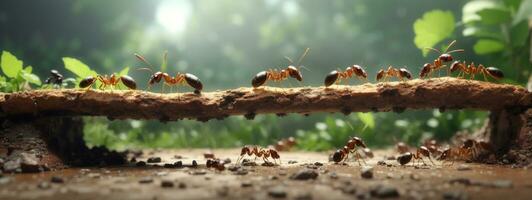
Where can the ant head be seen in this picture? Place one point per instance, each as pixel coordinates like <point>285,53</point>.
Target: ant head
<point>359,142</point>
<point>359,71</point>
<point>294,73</point>
<point>468,143</point>
<point>425,70</point>
<point>274,154</point>
<point>338,156</point>
<point>446,57</point>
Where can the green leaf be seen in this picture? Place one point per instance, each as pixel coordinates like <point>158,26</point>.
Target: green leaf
<point>519,33</point>
<point>481,32</point>
<point>123,71</point>
<point>11,66</point>
<point>31,78</point>
<point>432,28</point>
<point>78,68</point>
<point>491,16</point>
<point>367,119</point>
<point>524,12</point>
<point>512,4</point>
<point>28,69</point>
<point>487,46</point>
<point>470,9</point>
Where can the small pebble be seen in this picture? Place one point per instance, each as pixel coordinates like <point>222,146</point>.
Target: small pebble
<point>272,177</point>
<point>146,180</point>
<point>44,185</point>
<point>233,167</point>
<point>318,164</point>
<point>381,162</point>
<point>182,185</point>
<point>502,184</point>
<point>277,192</point>
<point>305,174</point>
<point>333,175</point>
<point>241,171</point>
<point>367,172</point>
<point>154,160</point>
<point>167,184</point>
<point>463,167</point>
<point>246,184</point>
<point>303,196</point>
<point>194,163</point>
<point>292,162</point>
<point>382,191</point>
<point>349,189</point>
<point>57,179</point>
<point>454,195</point>
<point>199,172</point>
<point>227,160</point>
<point>168,165</point>
<point>140,164</point>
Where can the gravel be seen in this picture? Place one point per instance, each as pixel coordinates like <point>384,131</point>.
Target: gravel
<point>305,174</point>
<point>367,172</point>
<point>277,192</point>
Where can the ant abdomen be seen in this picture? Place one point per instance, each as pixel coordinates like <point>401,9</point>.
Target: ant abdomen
<point>193,81</point>
<point>294,73</point>
<point>495,72</point>
<point>405,73</point>
<point>405,158</point>
<point>331,78</point>
<point>259,79</point>
<point>86,82</point>
<point>128,82</point>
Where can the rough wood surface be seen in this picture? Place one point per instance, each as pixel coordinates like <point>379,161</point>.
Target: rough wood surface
<point>442,93</point>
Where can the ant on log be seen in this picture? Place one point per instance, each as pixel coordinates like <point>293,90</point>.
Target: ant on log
<point>472,69</point>
<point>277,76</point>
<point>106,80</point>
<point>400,73</point>
<point>336,76</point>
<point>429,68</point>
<point>179,79</point>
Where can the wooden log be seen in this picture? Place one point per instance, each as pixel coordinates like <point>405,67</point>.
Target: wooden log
<point>442,93</point>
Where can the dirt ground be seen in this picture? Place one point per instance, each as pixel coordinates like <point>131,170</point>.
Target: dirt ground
<point>156,181</point>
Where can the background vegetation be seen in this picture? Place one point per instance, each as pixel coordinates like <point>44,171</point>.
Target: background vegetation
<point>226,42</point>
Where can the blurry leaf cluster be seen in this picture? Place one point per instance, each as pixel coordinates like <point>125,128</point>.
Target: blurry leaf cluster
<point>17,77</point>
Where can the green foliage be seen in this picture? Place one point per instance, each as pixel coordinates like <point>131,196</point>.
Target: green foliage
<point>80,69</point>
<point>432,28</point>
<point>18,78</point>
<point>11,65</point>
<point>487,46</point>
<point>501,32</point>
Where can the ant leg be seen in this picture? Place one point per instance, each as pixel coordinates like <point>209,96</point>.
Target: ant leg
<point>430,159</point>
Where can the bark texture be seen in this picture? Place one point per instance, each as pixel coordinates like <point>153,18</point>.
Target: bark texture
<point>442,93</point>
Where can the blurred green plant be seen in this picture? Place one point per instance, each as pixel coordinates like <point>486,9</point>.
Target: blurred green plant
<point>499,27</point>
<point>17,77</point>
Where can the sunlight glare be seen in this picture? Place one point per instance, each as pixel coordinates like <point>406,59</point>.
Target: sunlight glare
<point>174,15</point>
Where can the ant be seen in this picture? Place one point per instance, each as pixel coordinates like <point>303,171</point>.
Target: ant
<point>264,153</point>
<point>429,68</point>
<point>216,164</point>
<point>285,144</point>
<point>179,79</point>
<point>277,76</point>
<point>400,73</point>
<point>55,78</point>
<point>471,70</point>
<point>336,76</point>
<point>351,147</point>
<point>105,81</point>
<point>470,150</point>
<point>421,152</point>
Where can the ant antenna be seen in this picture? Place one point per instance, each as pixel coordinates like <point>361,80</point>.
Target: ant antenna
<point>142,59</point>
<point>449,46</point>
<point>302,56</point>
<point>436,50</point>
